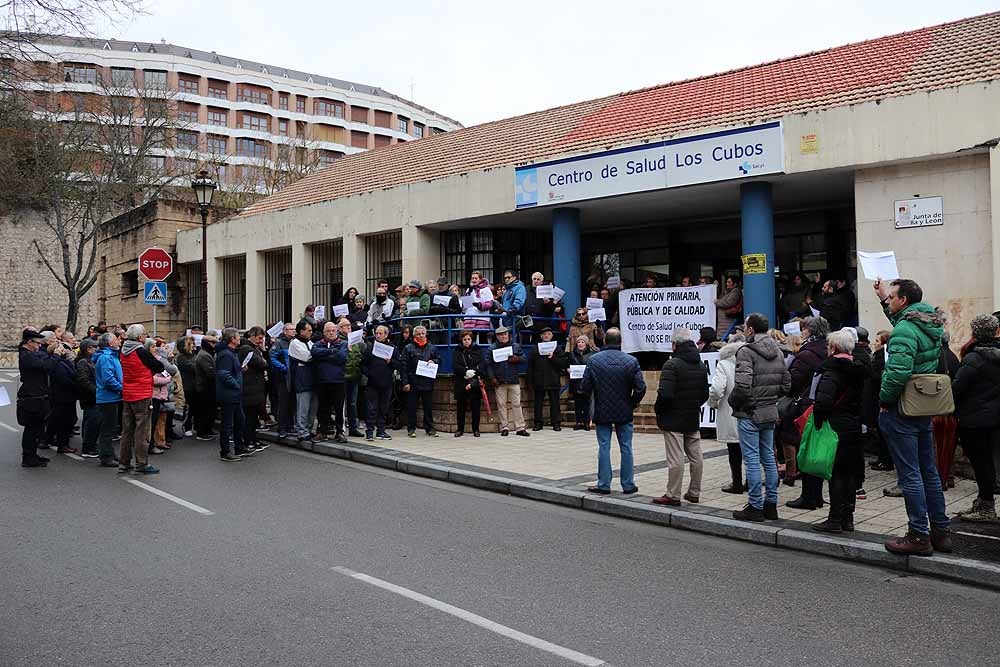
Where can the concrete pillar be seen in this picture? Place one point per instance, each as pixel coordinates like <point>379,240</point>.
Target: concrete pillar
<point>421,253</point>
<point>216,294</point>
<point>255,290</point>
<point>566,255</point>
<point>995,221</point>
<point>354,263</point>
<point>757,230</point>
<point>301,279</point>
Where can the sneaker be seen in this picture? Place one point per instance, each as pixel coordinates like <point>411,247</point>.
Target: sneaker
<point>261,446</point>
<point>911,544</point>
<point>229,458</point>
<point>203,438</point>
<point>340,439</point>
<point>557,427</point>
<point>147,470</point>
<point>245,453</point>
<point>188,434</point>
<point>538,427</point>
<point>411,434</point>
<point>749,513</point>
<point>369,437</point>
<point>383,436</point>
<point>90,455</point>
<point>861,494</point>
<point>156,450</point>
<point>505,433</point>
<point>122,469</point>
<point>116,438</point>
<point>432,433</point>
<point>524,433</point>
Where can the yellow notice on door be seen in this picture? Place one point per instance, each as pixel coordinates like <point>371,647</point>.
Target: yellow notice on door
<point>808,143</point>
<point>756,263</point>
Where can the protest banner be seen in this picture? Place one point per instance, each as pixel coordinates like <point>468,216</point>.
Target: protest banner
<point>649,315</point>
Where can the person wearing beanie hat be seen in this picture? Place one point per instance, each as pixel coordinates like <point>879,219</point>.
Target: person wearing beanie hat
<point>86,384</point>
<point>976,391</point>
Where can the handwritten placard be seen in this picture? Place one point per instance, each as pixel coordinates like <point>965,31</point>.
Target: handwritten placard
<point>412,306</point>
<point>427,369</point>
<point>320,313</point>
<point>467,301</point>
<point>596,315</point>
<point>558,293</point>
<point>276,329</point>
<point>614,282</point>
<point>548,348</point>
<point>544,292</point>
<point>342,310</point>
<point>576,371</point>
<point>383,351</point>
<point>594,304</point>
<point>444,300</point>
<point>502,353</point>
<point>792,329</point>
<point>355,337</point>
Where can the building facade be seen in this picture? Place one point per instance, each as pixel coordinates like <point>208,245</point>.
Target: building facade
<point>837,142</point>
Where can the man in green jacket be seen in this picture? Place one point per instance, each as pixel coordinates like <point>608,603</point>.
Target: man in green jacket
<point>914,348</point>
<point>416,295</point>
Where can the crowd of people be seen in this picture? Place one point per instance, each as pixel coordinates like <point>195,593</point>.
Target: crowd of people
<point>376,367</point>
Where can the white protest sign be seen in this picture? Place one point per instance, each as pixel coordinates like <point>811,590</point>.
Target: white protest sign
<point>710,361</point>
<point>485,294</point>
<point>544,292</point>
<point>576,371</point>
<point>649,315</point>
<point>320,313</point>
<point>4,397</point>
<point>427,369</point>
<point>383,351</point>
<point>467,301</point>
<point>878,265</point>
<point>614,282</point>
<point>276,329</point>
<point>548,348</point>
<point>355,337</point>
<point>502,353</point>
<point>197,340</point>
<point>342,310</point>
<point>596,315</point>
<point>187,333</point>
<point>442,300</point>
<point>793,329</point>
<point>558,293</point>
<point>412,306</point>
<point>246,359</point>
<point>815,313</point>
<point>594,304</point>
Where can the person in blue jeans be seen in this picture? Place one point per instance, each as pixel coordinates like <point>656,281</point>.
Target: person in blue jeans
<point>761,379</point>
<point>615,381</point>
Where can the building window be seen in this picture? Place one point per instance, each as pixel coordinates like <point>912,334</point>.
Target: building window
<point>188,84</point>
<point>383,119</point>
<point>326,158</point>
<point>300,128</point>
<point>359,139</point>
<point>217,144</point>
<point>300,104</point>
<point>218,89</point>
<point>283,101</point>
<point>436,130</point>
<point>254,122</point>
<point>187,140</point>
<point>217,117</point>
<point>81,74</point>
<point>122,77</point>
<point>254,95</point>
<point>251,147</point>
<point>154,79</point>
<point>359,115</point>
<point>493,251</point>
<point>327,108</point>
<point>418,130</point>
<point>187,113</point>
<point>283,127</point>
<point>404,125</point>
<point>156,162</point>
<point>382,140</point>
<point>130,282</point>
<point>185,167</point>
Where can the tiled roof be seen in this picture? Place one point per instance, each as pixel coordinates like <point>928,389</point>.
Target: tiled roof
<point>927,59</point>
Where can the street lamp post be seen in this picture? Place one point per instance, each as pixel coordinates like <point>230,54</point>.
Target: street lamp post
<point>204,188</point>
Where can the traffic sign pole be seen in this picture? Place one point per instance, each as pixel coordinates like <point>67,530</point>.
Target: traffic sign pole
<point>154,320</point>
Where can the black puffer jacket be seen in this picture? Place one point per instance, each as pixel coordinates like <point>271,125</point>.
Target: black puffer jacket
<point>86,382</point>
<point>977,387</point>
<point>838,395</point>
<point>254,375</point>
<point>683,390</point>
<point>806,363</point>
<point>34,368</point>
<point>545,373</point>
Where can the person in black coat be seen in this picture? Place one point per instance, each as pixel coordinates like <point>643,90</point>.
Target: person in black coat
<point>806,364</point>
<point>580,356</point>
<point>838,401</point>
<point>466,363</point>
<point>229,394</point>
<point>86,386</point>
<point>418,388</point>
<point>976,391</point>
<point>545,374</point>
<point>64,396</point>
<point>379,378</point>
<point>683,390</point>
<point>254,384</point>
<point>33,364</point>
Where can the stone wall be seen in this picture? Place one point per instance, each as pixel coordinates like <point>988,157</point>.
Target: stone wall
<point>29,294</point>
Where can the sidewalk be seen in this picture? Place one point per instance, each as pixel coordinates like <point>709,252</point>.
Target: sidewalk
<point>559,466</point>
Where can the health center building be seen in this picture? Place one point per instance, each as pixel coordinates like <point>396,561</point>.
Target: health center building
<point>793,165</point>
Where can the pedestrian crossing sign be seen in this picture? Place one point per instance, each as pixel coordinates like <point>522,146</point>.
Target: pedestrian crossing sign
<point>156,293</point>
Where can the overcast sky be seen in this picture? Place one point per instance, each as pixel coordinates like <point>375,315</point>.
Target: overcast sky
<point>479,61</point>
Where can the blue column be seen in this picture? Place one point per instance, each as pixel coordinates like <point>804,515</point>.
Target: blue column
<point>566,256</point>
<point>757,230</point>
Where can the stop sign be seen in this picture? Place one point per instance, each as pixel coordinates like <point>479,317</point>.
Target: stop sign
<point>155,264</point>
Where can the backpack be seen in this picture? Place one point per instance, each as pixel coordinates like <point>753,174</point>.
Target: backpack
<point>352,369</point>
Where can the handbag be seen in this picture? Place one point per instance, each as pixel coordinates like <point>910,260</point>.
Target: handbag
<point>818,449</point>
<point>927,395</point>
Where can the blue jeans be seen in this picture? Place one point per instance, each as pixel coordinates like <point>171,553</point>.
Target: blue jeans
<point>624,432</point>
<point>757,445</point>
<point>911,444</point>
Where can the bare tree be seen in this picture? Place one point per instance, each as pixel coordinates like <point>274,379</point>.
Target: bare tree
<point>259,176</point>
<point>23,21</point>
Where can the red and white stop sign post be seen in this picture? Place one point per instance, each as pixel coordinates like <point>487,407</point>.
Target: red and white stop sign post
<point>155,264</point>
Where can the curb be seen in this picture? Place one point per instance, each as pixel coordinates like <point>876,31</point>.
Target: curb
<point>962,570</point>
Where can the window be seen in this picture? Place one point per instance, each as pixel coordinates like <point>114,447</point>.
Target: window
<point>283,101</point>
<point>404,125</point>
<point>359,139</point>
<point>156,162</point>
<point>255,122</point>
<point>418,130</point>
<point>300,128</point>
<point>218,89</point>
<point>382,140</point>
<point>326,158</point>
<point>154,79</point>
<point>254,95</point>
<point>187,113</point>
<point>251,147</point>
<point>185,166</point>
<point>122,77</point>
<point>283,127</point>
<point>328,108</point>
<point>359,115</point>
<point>217,117</point>
<point>120,106</point>
<point>217,144</point>
<point>81,74</point>
<point>436,130</point>
<point>155,108</point>
<point>221,173</point>
<point>130,282</point>
<point>188,84</point>
<point>300,104</point>
<point>187,140</point>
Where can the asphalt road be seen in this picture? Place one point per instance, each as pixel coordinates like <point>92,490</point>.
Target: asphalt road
<point>97,571</point>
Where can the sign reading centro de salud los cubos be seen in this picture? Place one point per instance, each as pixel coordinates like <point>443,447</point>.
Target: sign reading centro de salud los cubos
<point>705,158</point>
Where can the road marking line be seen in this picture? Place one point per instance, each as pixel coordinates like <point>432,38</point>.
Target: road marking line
<point>171,498</point>
<point>510,633</point>
<point>10,428</point>
<point>986,537</point>
<point>75,457</point>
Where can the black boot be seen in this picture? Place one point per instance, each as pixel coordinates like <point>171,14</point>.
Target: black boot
<point>847,522</point>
